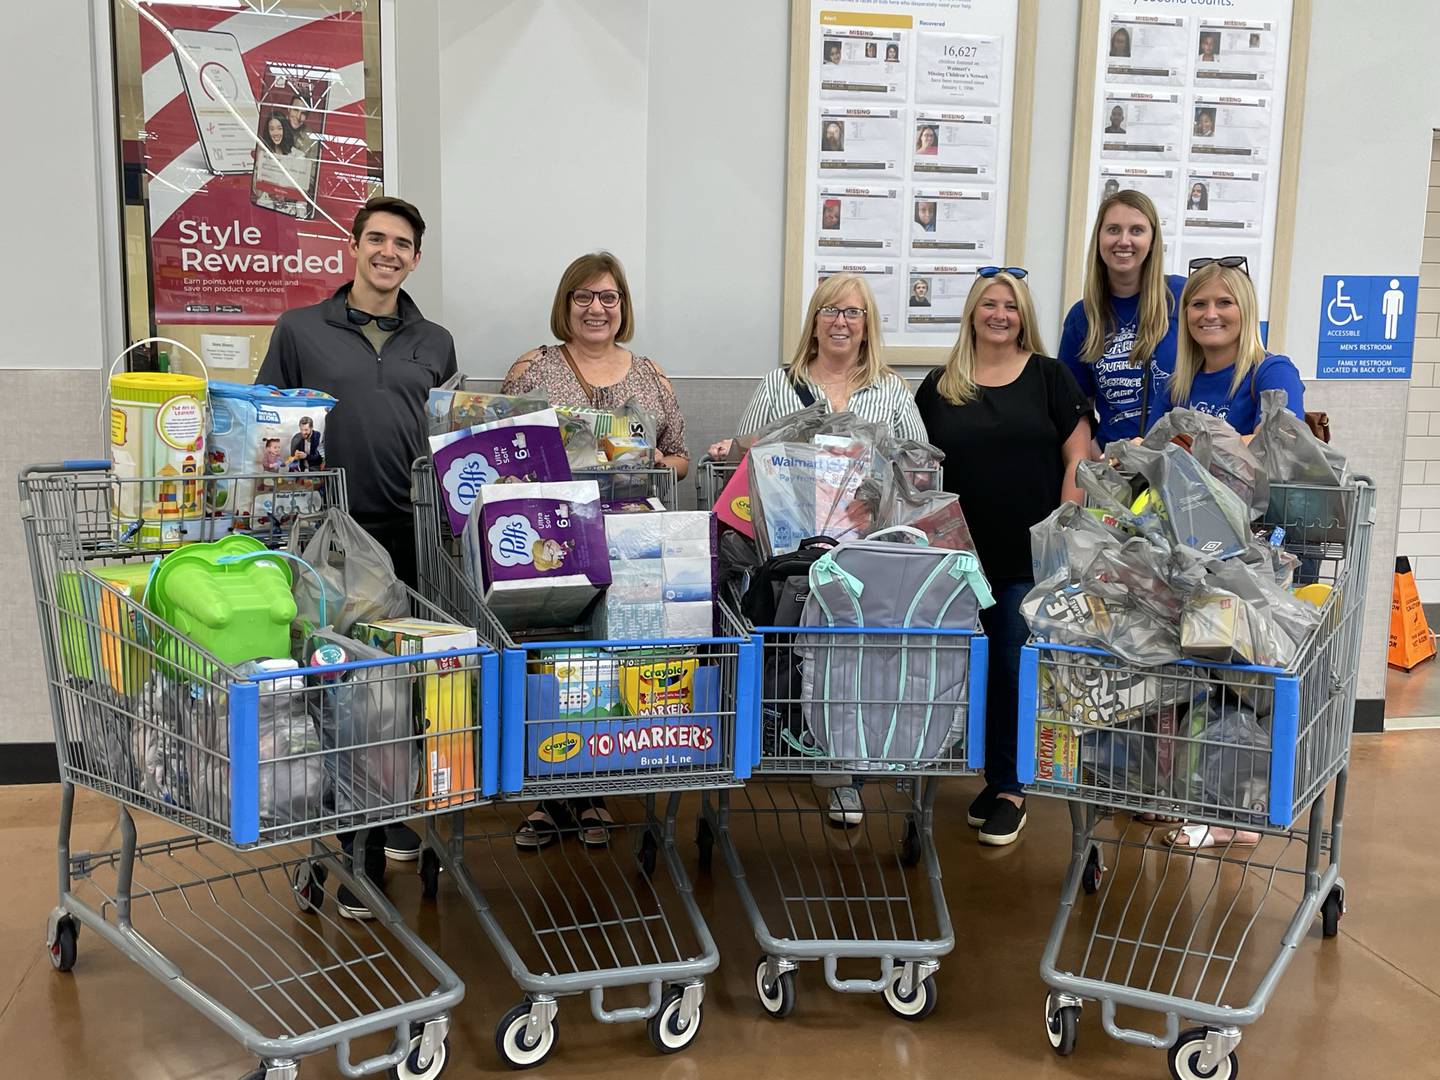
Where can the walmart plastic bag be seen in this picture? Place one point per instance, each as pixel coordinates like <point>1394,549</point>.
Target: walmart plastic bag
<point>366,719</point>
<point>1219,448</point>
<point>1289,450</point>
<point>1198,511</point>
<point>358,575</point>
<point>1239,616</point>
<point>1233,760</point>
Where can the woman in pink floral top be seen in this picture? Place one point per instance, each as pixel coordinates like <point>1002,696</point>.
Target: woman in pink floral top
<point>591,315</point>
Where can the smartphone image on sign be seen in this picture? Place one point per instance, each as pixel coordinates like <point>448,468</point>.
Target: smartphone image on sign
<point>292,134</point>
<point>213,71</point>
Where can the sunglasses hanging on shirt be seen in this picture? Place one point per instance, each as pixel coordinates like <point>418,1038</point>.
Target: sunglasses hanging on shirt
<point>1230,262</point>
<point>388,323</point>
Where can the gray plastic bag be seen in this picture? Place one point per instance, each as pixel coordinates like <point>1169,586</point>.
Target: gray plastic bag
<point>1233,763</point>
<point>365,718</point>
<point>359,577</point>
<point>1220,449</point>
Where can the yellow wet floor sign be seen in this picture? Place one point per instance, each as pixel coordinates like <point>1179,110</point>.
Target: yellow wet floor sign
<point>1410,640</point>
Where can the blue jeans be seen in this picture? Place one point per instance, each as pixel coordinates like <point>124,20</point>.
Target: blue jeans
<point>1007,630</point>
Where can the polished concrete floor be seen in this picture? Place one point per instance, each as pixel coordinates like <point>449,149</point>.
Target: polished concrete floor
<point>1362,1005</point>
<point>1412,698</point>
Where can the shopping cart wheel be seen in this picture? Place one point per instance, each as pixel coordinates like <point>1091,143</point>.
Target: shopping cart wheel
<point>776,998</point>
<point>705,843</point>
<point>1185,1059</point>
<point>429,874</point>
<point>63,948</point>
<point>1062,1025</point>
<point>1093,873</point>
<point>666,1029</point>
<point>513,1044</point>
<point>308,884</point>
<point>410,1069</point>
<point>910,845</point>
<point>1331,911</point>
<point>920,1003</point>
<point>648,848</point>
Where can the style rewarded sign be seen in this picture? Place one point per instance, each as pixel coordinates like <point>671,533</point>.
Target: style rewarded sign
<point>1367,326</point>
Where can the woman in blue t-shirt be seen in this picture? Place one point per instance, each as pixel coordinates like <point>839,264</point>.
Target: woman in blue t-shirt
<point>1221,366</point>
<point>1119,341</point>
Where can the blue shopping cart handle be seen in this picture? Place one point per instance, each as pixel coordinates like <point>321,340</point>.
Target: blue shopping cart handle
<point>73,465</point>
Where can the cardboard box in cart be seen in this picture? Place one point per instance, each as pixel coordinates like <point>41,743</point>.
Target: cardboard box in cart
<point>666,718</point>
<point>447,708</point>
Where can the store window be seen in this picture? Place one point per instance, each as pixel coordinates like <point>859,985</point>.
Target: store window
<point>250,132</point>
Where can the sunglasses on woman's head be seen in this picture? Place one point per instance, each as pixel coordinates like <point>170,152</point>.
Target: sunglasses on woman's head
<point>387,323</point>
<point>1017,272</point>
<point>1230,262</point>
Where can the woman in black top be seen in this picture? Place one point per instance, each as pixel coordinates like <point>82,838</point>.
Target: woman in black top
<point>1012,423</point>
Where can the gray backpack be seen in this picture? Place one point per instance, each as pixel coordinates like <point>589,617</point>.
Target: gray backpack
<point>890,699</point>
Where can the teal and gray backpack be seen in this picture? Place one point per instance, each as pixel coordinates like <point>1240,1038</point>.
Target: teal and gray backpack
<point>891,699</point>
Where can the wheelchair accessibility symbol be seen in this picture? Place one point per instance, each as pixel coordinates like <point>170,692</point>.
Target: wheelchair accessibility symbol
<point>1341,305</point>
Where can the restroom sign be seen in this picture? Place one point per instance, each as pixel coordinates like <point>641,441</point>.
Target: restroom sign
<point>1367,326</point>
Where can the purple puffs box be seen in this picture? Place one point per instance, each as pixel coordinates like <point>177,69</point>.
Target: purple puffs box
<point>544,552</point>
<point>517,449</point>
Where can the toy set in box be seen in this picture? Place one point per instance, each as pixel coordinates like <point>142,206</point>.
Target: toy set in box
<point>592,711</point>
<point>447,703</point>
<point>265,430</point>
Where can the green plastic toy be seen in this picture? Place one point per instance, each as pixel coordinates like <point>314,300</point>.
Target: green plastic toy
<point>232,598</point>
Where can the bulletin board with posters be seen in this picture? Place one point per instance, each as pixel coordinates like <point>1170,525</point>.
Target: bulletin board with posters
<point>251,134</point>
<point>1200,107</point>
<point>908,161</point>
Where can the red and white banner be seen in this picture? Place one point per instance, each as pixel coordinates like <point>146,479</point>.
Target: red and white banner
<point>256,157</point>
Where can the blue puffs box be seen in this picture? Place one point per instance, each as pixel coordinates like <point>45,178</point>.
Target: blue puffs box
<point>670,736</point>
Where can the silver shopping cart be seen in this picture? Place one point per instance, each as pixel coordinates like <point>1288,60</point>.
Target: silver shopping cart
<point>711,476</point>
<point>256,769</point>
<point>582,912</point>
<point>1160,911</point>
<point>814,892</point>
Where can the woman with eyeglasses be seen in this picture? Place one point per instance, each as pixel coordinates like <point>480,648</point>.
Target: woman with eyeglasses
<point>1119,340</point>
<point>1221,366</point>
<point>592,314</point>
<point>838,364</point>
<point>1013,425</point>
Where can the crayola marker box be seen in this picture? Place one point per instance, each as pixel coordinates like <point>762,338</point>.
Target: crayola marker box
<point>447,704</point>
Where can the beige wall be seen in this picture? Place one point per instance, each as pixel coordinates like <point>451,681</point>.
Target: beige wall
<point>1419,536</point>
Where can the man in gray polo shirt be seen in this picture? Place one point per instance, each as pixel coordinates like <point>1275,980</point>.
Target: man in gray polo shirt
<point>369,347</point>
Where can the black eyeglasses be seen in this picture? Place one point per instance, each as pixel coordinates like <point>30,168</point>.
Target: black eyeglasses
<point>1230,262</point>
<point>1014,271</point>
<point>585,297</point>
<point>387,323</point>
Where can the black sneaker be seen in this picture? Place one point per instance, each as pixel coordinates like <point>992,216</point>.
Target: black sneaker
<point>402,843</point>
<point>982,807</point>
<point>1003,825</point>
<point>351,906</point>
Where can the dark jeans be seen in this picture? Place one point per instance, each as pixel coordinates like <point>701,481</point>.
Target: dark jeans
<point>1007,631</point>
<point>397,536</point>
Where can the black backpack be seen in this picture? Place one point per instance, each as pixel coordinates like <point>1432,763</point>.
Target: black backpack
<point>776,596</point>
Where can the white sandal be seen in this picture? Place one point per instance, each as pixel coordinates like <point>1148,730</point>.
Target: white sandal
<point>1199,837</point>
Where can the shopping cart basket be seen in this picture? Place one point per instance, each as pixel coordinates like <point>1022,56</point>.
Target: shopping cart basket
<point>256,768</point>
<point>819,893</point>
<point>1221,755</point>
<point>618,483</point>
<point>571,917</point>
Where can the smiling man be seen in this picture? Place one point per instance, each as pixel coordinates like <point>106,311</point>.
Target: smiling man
<point>370,347</point>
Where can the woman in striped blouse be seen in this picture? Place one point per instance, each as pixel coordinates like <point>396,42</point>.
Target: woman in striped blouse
<point>839,363</point>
